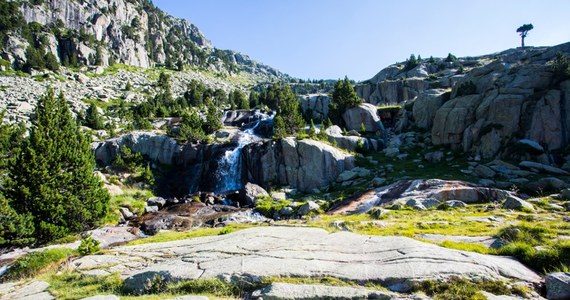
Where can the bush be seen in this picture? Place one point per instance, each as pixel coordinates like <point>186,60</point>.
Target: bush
<point>267,206</point>
<point>88,245</point>
<point>35,263</point>
<point>561,66</point>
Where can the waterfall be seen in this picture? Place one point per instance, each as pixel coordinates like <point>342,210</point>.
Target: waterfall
<point>228,174</point>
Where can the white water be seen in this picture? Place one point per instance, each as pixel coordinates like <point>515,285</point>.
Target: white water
<point>229,172</point>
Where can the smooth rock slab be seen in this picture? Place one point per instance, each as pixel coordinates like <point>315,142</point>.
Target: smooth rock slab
<point>287,291</point>
<point>262,252</point>
<point>32,290</point>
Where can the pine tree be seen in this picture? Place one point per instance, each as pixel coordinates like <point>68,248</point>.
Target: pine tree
<point>312,131</point>
<point>279,131</point>
<point>93,119</point>
<point>344,95</point>
<point>52,178</point>
<point>213,117</point>
<point>322,135</point>
<point>191,127</point>
<point>288,110</point>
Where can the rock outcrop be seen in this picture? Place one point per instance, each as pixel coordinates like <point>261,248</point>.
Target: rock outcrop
<point>514,97</point>
<point>315,106</point>
<point>412,192</point>
<point>254,254</point>
<point>302,164</point>
<point>365,114</point>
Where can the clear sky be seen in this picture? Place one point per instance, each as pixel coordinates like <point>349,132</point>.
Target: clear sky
<point>328,39</point>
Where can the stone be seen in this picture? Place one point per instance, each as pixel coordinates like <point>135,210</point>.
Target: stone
<point>151,209</point>
<point>307,208</point>
<point>287,291</point>
<point>126,213</point>
<point>533,146</point>
<point>346,176</point>
<point>316,104</point>
<point>434,157</point>
<point>377,181</point>
<point>490,296</point>
<point>366,114</point>
<point>516,203</point>
<point>274,251</point>
<point>484,171</point>
<point>543,168</point>
<point>558,286</point>
<point>286,211</point>
<point>456,204</point>
<point>279,195</point>
<point>156,201</point>
<point>250,193</point>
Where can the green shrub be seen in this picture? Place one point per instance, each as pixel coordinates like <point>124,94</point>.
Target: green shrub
<point>267,206</point>
<point>548,259</point>
<point>226,230</point>
<point>35,263</point>
<point>88,245</point>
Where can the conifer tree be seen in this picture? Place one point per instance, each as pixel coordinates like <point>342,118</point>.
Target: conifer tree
<point>52,178</point>
<point>279,131</point>
<point>288,110</point>
<point>93,119</point>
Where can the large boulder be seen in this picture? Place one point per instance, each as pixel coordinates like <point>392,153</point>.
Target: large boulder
<point>558,286</point>
<point>302,164</point>
<point>316,104</point>
<point>366,114</point>
<point>250,193</point>
<point>426,106</point>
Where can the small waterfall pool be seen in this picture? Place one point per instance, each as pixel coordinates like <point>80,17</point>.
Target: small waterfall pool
<point>228,174</point>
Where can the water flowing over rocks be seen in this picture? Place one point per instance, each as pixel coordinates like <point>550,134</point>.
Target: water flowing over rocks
<point>302,164</point>
<point>253,254</point>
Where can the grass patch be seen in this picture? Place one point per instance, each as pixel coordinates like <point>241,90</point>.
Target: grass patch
<point>466,247</point>
<point>267,206</point>
<point>134,199</point>
<point>214,287</point>
<point>70,285</point>
<point>545,259</point>
<point>36,263</point>
<point>389,107</point>
<point>168,236</point>
<point>456,288</point>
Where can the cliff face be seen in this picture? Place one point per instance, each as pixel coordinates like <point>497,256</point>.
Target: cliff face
<point>132,32</point>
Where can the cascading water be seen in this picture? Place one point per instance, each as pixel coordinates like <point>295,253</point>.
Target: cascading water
<point>228,174</point>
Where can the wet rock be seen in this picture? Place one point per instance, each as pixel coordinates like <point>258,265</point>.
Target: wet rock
<point>183,216</point>
<point>250,193</point>
<point>156,201</point>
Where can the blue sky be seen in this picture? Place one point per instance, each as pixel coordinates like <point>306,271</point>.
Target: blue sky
<point>328,39</point>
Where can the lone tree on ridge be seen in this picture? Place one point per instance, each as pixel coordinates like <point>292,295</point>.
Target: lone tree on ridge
<point>523,30</point>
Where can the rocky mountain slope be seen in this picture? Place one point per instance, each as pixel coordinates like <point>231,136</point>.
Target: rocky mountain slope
<point>483,105</point>
<point>132,32</point>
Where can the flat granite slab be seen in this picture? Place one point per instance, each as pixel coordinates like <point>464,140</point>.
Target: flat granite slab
<point>251,254</point>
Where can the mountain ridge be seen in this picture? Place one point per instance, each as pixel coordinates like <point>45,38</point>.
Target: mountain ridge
<point>132,32</point>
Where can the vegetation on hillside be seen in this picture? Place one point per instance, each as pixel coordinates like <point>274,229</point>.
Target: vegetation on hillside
<point>50,187</point>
